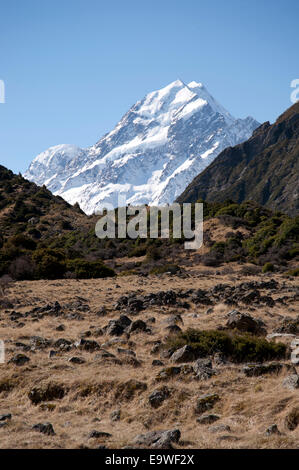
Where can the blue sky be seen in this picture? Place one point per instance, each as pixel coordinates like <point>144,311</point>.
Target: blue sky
<point>72,68</point>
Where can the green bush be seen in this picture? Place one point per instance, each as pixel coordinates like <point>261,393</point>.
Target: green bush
<point>165,268</point>
<point>22,241</point>
<point>294,272</point>
<point>153,253</point>
<point>84,269</point>
<point>50,263</point>
<point>137,251</point>
<point>238,348</point>
<point>268,267</point>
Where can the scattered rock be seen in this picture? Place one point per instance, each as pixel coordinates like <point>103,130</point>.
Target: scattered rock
<point>137,326</point>
<point>245,323</point>
<point>168,373</point>
<point>206,402</point>
<point>87,345</point>
<point>255,370</point>
<point>158,439</point>
<point>52,353</point>
<point>115,415</point>
<point>207,419</point>
<point>288,325</point>
<point>98,434</point>
<point>102,312</point>
<point>117,327</point>
<point>63,344</point>
<point>157,363</point>
<point>184,354</point>
<point>157,397</point>
<point>203,369</point>
<point>219,428</point>
<point>45,428</point>
<point>228,438</point>
<point>292,419</point>
<point>126,352</point>
<point>47,392</point>
<point>38,342</point>
<point>291,382</point>
<point>173,319</point>
<point>127,390</point>
<point>273,429</point>
<point>19,359</point>
<point>77,360</point>
<point>60,328</point>
<point>173,329</point>
<point>5,417</point>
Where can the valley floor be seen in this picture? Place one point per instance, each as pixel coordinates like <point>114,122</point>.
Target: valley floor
<point>109,391</point>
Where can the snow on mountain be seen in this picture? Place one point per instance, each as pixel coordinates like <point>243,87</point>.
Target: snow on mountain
<point>152,154</point>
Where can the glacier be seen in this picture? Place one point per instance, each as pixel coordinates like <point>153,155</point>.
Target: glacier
<point>151,155</point>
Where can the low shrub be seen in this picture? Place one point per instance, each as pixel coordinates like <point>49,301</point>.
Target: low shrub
<point>268,267</point>
<point>84,269</point>
<point>138,251</point>
<point>165,268</point>
<point>238,348</point>
<point>293,272</point>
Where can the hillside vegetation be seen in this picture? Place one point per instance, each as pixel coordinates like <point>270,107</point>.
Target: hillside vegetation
<point>43,237</point>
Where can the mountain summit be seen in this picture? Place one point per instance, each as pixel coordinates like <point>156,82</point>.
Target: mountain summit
<point>151,155</point>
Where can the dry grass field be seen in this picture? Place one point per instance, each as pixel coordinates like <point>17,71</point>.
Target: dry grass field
<point>109,391</point>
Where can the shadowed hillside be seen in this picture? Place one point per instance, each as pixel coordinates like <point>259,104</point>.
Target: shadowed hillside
<point>264,169</point>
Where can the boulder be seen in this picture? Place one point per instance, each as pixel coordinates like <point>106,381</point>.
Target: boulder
<point>157,397</point>
<point>5,417</point>
<point>291,382</point>
<point>219,428</point>
<point>245,323</point>
<point>98,434</point>
<point>46,392</point>
<point>203,369</point>
<point>184,354</point>
<point>273,429</point>
<point>77,360</point>
<point>87,345</point>
<point>137,326</point>
<point>255,370</point>
<point>206,402</point>
<point>45,428</point>
<point>115,415</point>
<point>158,439</point>
<point>207,419</point>
<point>292,419</point>
<point>19,359</point>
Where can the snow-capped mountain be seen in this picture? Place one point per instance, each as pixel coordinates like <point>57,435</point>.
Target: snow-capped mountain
<point>152,154</point>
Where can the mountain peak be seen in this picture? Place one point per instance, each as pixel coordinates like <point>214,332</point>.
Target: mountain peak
<point>152,154</point>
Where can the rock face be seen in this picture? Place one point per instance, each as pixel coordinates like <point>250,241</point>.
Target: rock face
<point>152,154</point>
<point>254,170</point>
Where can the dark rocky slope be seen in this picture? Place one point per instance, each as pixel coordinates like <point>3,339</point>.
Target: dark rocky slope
<point>264,169</point>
